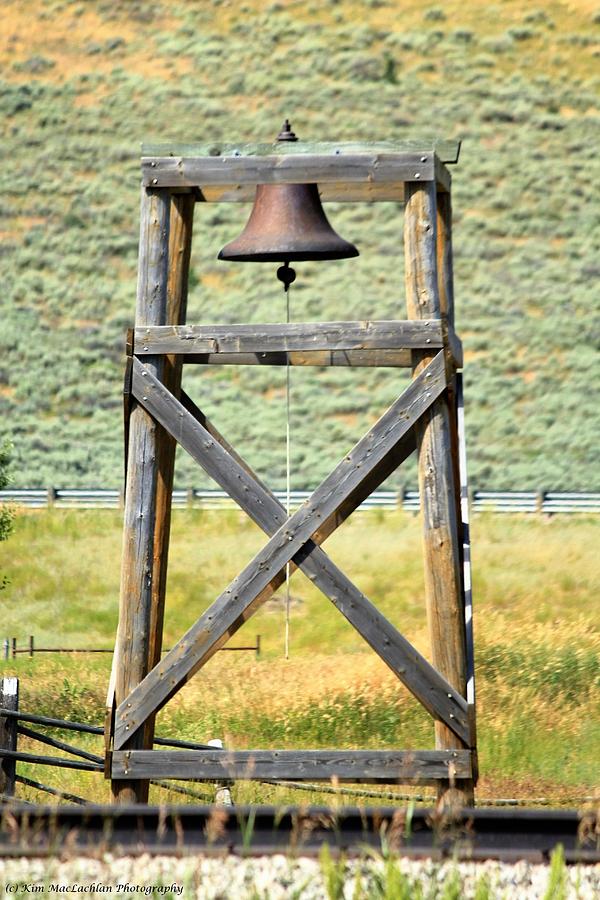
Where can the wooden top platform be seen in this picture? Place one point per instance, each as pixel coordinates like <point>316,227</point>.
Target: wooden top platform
<point>369,171</point>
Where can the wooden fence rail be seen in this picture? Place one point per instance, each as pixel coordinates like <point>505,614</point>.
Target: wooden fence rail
<point>539,501</point>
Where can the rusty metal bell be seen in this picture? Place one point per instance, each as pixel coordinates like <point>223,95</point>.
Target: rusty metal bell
<point>287,223</point>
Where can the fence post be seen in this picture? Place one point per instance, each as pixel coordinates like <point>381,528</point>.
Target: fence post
<point>9,699</point>
<point>31,647</point>
<point>14,648</point>
<point>258,646</point>
<point>222,789</point>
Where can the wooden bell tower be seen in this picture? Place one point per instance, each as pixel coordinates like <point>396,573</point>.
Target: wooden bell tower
<point>427,417</point>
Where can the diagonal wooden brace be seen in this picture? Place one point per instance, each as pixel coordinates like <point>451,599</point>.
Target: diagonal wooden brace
<point>241,483</point>
<point>265,572</point>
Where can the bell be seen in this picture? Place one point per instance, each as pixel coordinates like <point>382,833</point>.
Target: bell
<point>287,223</point>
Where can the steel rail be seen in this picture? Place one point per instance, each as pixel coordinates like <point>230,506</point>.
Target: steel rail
<point>467,834</point>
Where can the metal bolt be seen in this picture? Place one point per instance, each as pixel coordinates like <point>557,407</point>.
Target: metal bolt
<point>144,398</point>
<point>417,174</point>
<point>155,181</point>
<point>451,716</point>
<point>450,696</point>
<point>153,164</point>
<point>423,159</point>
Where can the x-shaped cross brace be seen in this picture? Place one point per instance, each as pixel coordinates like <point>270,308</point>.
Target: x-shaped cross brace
<point>293,540</point>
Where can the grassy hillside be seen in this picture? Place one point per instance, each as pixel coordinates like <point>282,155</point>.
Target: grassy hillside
<point>82,83</point>
<point>537,642</point>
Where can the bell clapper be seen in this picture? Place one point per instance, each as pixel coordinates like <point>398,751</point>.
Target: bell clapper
<point>287,275</point>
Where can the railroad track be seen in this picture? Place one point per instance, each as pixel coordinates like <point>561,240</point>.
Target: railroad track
<point>476,834</point>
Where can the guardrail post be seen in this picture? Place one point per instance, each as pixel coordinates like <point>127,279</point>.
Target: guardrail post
<point>51,496</point>
<point>539,500</point>
<point>9,699</point>
<point>189,498</point>
<point>401,493</point>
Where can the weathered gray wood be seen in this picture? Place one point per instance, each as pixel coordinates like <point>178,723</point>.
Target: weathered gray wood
<point>234,476</point>
<point>443,179</point>
<point>132,648</point>
<point>276,338</point>
<point>369,766</point>
<point>9,699</point>
<point>444,258</point>
<point>291,168</point>
<point>443,587</point>
<point>260,578</point>
<point>323,358</point>
<point>447,151</point>
<point>180,247</point>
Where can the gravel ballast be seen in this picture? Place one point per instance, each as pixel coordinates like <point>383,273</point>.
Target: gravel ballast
<point>281,877</point>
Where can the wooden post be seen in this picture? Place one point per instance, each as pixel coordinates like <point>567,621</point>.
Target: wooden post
<point>133,645</point>
<point>180,247</point>
<point>443,588</point>
<point>9,699</point>
<point>31,646</point>
<point>14,648</point>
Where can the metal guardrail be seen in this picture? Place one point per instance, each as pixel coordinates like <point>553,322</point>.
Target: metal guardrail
<point>547,502</point>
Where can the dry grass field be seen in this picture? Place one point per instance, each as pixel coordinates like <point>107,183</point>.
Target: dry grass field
<point>537,643</point>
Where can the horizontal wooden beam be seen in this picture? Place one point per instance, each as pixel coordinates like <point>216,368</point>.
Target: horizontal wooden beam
<point>447,150</point>
<point>262,575</point>
<point>296,336</point>
<point>330,192</point>
<point>369,766</point>
<point>346,168</point>
<point>320,358</point>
